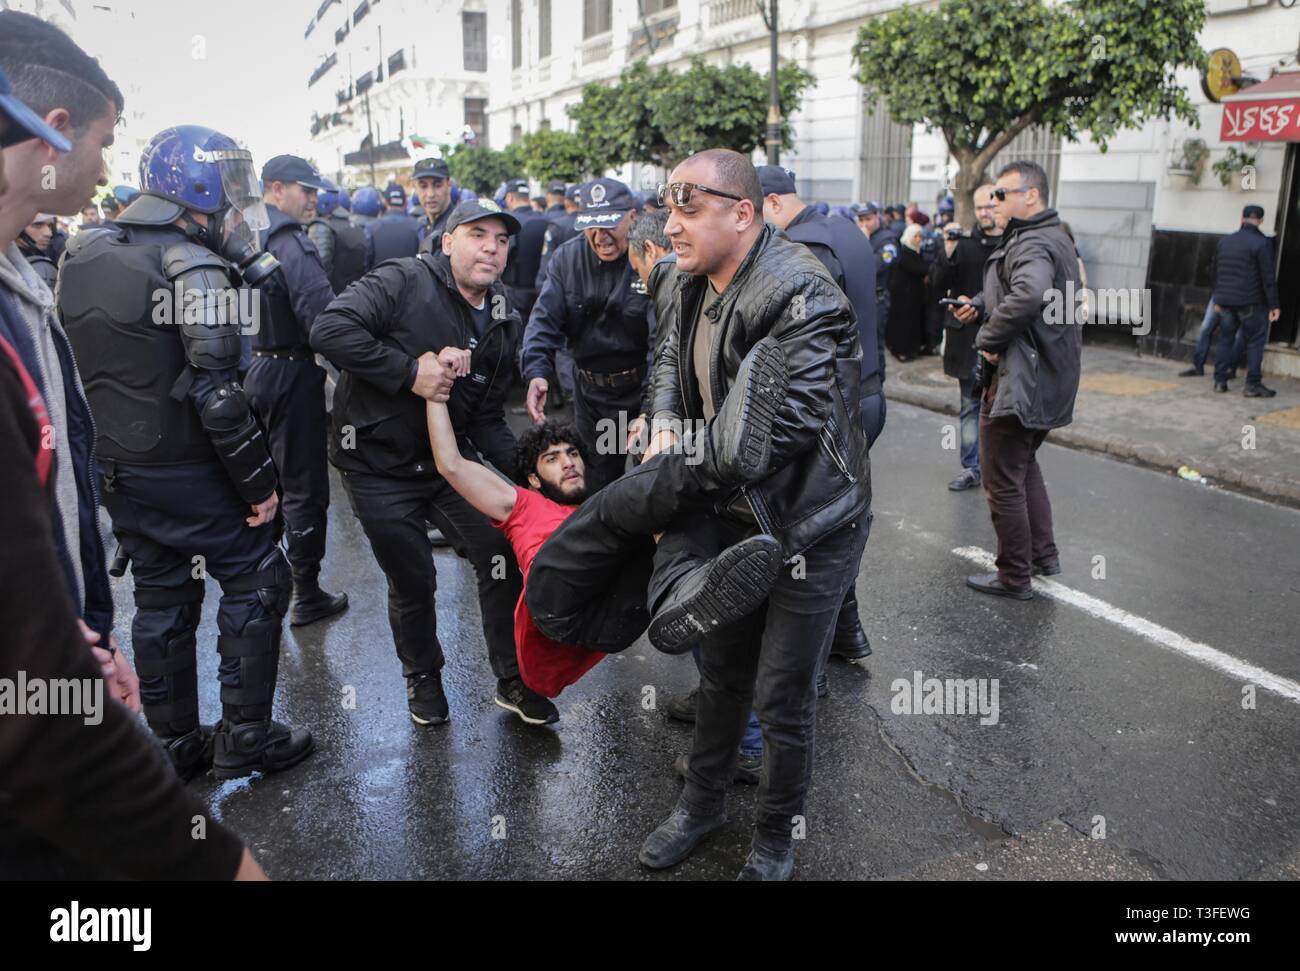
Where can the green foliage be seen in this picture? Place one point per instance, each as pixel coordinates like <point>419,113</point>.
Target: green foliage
<point>555,155</point>
<point>981,71</point>
<point>483,169</point>
<point>660,117</point>
<point>1233,164</point>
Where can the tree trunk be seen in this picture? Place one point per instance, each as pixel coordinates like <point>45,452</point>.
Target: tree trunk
<point>969,178</point>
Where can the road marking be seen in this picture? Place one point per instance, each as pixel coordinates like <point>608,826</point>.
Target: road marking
<point>1162,636</point>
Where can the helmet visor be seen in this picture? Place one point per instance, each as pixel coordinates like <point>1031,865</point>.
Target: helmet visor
<point>239,184</point>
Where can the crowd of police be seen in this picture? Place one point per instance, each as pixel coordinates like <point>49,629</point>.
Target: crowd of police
<point>185,342</point>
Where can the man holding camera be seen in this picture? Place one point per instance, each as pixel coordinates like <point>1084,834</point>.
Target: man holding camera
<point>1031,374</point>
<point>959,268</point>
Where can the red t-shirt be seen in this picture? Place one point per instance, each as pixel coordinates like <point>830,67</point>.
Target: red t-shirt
<point>546,666</point>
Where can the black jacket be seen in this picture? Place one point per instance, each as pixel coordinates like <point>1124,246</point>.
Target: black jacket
<point>962,275</point>
<point>375,332</point>
<point>591,306</point>
<point>1038,371</point>
<point>392,236</point>
<point>1243,269</point>
<point>823,477</point>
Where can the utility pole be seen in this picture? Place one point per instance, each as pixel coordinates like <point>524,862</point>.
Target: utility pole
<point>773,96</point>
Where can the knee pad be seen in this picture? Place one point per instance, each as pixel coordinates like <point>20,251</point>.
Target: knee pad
<point>272,581</point>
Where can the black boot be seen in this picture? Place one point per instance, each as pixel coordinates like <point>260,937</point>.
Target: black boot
<point>718,592</point>
<point>676,837</point>
<point>311,603</point>
<point>765,863</point>
<point>190,752</point>
<point>242,748</point>
<point>850,642</point>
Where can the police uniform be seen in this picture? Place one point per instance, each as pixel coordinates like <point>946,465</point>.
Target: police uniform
<point>394,234</point>
<point>431,230</point>
<point>340,245</point>
<point>524,261</point>
<point>594,308</point>
<point>183,460</point>
<point>884,241</point>
<point>288,389</point>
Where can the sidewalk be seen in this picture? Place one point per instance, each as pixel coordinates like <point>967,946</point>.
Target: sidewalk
<point>1138,409</point>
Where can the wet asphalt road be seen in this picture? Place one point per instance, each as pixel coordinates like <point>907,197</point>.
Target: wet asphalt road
<point>1097,726</point>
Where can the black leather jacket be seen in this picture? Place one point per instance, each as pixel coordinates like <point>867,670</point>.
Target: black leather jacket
<point>823,476</point>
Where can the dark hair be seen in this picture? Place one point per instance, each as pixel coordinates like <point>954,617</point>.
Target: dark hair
<point>536,440</point>
<point>649,227</point>
<point>1031,173</point>
<point>735,174</point>
<point>47,71</point>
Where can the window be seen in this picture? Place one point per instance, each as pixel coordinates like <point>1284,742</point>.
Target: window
<point>474,33</point>
<point>886,157</point>
<point>597,17</point>
<point>649,7</point>
<point>396,62</point>
<point>362,9</point>
<point>543,28</point>
<point>516,33</point>
<point>516,134</point>
<point>476,118</point>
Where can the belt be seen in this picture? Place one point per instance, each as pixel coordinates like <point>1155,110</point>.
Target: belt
<point>619,379</point>
<point>287,354</point>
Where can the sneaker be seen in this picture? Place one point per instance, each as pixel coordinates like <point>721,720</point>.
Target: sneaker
<point>683,709</point>
<point>426,700</point>
<point>1192,372</point>
<point>514,695</point>
<point>730,586</point>
<point>1258,391</point>
<point>968,479</point>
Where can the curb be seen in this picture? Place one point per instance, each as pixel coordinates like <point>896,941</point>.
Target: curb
<point>1149,456</point>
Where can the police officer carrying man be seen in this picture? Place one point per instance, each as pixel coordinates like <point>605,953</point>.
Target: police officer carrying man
<point>848,258</point>
<point>34,243</point>
<point>382,334</point>
<point>394,234</point>
<point>885,244</point>
<point>524,262</point>
<point>591,302</point>
<point>286,385</point>
<point>188,479</point>
<point>434,188</point>
<point>340,245</point>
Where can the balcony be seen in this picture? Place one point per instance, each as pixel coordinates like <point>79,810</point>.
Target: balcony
<point>387,152</point>
<point>597,48</point>
<point>344,95</point>
<point>341,33</point>
<point>359,14</point>
<point>725,11</point>
<point>365,82</point>
<point>323,67</point>
<point>396,62</point>
<point>654,34</point>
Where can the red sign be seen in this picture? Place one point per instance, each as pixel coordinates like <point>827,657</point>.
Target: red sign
<point>1261,121</point>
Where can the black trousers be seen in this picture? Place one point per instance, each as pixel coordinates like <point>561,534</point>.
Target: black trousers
<point>596,413</point>
<point>396,514</point>
<point>290,400</point>
<point>180,523</point>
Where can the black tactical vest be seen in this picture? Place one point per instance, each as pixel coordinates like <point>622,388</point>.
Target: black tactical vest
<point>349,253</point>
<point>117,308</point>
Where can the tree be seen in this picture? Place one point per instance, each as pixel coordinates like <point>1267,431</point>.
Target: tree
<point>551,155</point>
<point>982,71</point>
<point>660,117</point>
<point>483,169</point>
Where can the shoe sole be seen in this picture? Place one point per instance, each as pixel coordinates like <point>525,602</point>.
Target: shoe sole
<point>665,864</point>
<point>738,581</point>
<point>765,391</point>
<point>241,772</point>
<point>429,721</point>
<point>303,621</point>
<point>964,488</point>
<point>522,717</point>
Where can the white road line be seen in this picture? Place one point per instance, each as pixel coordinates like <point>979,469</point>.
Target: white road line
<point>1162,636</point>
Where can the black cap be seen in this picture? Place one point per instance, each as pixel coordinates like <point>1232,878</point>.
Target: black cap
<point>394,194</point>
<point>291,168</point>
<point>556,187</point>
<point>432,168</point>
<point>518,186</point>
<point>604,202</point>
<point>476,209</point>
<point>574,192</point>
<point>1252,212</point>
<point>776,178</point>
<point>865,208</point>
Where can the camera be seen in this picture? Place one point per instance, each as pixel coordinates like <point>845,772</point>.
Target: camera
<point>953,233</point>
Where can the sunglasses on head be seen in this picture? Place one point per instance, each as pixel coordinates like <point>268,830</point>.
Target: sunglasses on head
<point>1001,194</point>
<point>680,193</point>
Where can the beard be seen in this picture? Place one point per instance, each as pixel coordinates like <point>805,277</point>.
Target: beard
<point>556,494</point>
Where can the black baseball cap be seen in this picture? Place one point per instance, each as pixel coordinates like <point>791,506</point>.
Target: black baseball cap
<point>1252,212</point>
<point>476,209</point>
<point>574,192</point>
<point>519,186</point>
<point>394,194</point>
<point>776,178</point>
<point>25,123</point>
<point>860,209</point>
<point>291,168</point>
<point>556,187</point>
<point>605,203</point>
<point>432,168</point>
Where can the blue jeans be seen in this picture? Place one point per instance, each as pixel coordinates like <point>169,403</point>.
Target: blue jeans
<point>1249,324</point>
<point>1210,324</point>
<point>970,422</point>
<point>752,742</point>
